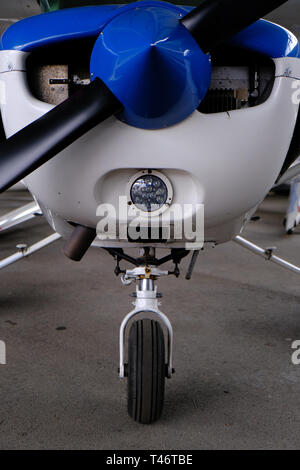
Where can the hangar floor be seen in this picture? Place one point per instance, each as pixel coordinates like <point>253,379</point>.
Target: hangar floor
<point>235,386</point>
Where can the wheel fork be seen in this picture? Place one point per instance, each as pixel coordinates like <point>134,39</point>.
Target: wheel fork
<point>146,301</point>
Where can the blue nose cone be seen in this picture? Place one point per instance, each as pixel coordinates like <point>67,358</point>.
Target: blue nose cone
<point>152,65</point>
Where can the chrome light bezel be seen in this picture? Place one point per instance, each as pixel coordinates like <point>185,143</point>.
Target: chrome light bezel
<point>164,179</point>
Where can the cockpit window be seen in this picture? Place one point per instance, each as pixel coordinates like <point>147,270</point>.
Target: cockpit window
<point>52,5</point>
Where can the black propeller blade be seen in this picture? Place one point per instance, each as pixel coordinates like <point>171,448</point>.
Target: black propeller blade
<point>215,21</point>
<point>37,143</point>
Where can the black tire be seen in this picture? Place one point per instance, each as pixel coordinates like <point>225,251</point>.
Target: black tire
<point>146,371</point>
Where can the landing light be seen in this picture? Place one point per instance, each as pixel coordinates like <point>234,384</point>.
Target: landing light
<point>150,191</point>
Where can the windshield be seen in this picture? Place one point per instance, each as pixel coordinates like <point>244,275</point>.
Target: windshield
<point>51,5</point>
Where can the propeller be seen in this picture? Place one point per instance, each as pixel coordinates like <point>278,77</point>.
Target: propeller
<point>215,21</point>
<point>41,140</point>
<point>147,68</point>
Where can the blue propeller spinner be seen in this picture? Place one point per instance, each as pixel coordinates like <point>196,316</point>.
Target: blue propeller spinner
<point>152,64</point>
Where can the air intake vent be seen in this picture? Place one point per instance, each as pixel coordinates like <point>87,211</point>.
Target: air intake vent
<point>240,79</point>
<point>219,100</point>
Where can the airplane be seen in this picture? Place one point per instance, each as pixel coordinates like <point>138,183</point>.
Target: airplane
<point>128,121</point>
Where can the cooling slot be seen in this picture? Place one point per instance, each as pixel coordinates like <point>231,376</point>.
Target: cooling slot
<point>219,100</point>
<point>55,73</point>
<point>240,80</point>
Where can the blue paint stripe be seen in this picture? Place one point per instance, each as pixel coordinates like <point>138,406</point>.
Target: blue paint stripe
<point>269,39</point>
<point>76,23</point>
<point>54,27</point>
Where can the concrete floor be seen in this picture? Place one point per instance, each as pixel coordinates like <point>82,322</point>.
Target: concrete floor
<point>234,388</point>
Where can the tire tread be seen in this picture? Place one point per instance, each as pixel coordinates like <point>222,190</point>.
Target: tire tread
<point>146,371</point>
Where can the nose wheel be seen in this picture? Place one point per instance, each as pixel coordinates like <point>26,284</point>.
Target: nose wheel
<point>146,371</point>
<point>150,347</point>
<point>147,367</point>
